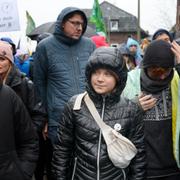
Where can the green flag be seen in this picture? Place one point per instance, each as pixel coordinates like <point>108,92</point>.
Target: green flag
<point>97,19</point>
<point>30,23</point>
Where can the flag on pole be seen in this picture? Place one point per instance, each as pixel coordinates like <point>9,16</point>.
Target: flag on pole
<point>30,23</point>
<point>97,19</point>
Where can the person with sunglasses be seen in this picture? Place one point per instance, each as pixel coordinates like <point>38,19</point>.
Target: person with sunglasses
<point>156,85</point>
<point>134,48</point>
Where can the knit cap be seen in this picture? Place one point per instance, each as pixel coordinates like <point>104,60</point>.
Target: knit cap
<point>9,40</point>
<point>158,53</point>
<point>6,51</point>
<point>162,31</point>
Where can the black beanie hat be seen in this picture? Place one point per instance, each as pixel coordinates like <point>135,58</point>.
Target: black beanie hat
<point>158,53</point>
<point>162,31</point>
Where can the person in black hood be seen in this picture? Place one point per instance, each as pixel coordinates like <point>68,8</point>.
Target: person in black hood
<point>79,136</point>
<point>157,85</point>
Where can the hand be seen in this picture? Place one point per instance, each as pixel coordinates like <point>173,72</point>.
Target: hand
<point>147,101</point>
<point>45,131</point>
<point>176,50</point>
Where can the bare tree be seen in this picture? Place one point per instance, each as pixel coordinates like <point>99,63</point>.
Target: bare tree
<point>165,13</point>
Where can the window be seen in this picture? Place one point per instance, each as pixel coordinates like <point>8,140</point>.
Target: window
<point>114,45</point>
<point>114,25</point>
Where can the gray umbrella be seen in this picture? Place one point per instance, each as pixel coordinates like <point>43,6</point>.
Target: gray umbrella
<point>49,28</point>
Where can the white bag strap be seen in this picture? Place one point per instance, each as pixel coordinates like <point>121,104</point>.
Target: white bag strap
<point>77,104</point>
<point>103,126</point>
<point>94,112</point>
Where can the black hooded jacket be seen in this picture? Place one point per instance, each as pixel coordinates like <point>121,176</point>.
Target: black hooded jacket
<point>24,88</point>
<point>18,140</point>
<point>79,135</point>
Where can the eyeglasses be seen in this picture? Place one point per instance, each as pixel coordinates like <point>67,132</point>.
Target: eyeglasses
<point>76,24</point>
<point>158,73</point>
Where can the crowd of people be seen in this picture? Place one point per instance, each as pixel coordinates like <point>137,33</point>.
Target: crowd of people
<point>135,88</point>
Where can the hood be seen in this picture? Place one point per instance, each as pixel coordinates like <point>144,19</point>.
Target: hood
<point>130,42</point>
<point>158,53</point>
<point>108,58</point>
<point>58,32</point>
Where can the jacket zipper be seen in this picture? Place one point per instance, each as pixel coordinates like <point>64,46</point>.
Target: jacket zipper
<point>98,157</point>
<point>74,169</point>
<point>124,174</point>
<point>99,144</point>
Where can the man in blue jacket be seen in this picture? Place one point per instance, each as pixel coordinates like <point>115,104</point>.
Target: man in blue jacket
<point>59,65</point>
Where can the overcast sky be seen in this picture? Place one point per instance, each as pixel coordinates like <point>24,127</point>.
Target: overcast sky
<point>154,13</point>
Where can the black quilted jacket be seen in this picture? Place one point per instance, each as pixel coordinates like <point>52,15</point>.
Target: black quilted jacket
<point>18,140</point>
<point>81,152</point>
<point>24,88</point>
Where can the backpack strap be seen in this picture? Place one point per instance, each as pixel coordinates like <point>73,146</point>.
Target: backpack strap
<point>77,104</point>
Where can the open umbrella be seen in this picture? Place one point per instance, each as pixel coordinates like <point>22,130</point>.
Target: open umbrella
<point>49,28</point>
<point>43,28</point>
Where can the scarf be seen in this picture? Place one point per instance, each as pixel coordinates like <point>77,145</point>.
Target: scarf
<point>152,86</point>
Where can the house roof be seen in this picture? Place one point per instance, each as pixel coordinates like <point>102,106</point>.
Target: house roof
<point>110,10</point>
<point>127,21</point>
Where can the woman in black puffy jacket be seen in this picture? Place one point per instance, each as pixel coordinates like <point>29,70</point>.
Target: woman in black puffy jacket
<point>81,152</point>
<point>23,87</point>
<point>18,139</point>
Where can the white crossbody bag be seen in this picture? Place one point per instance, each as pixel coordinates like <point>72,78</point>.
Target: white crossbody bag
<point>120,149</point>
